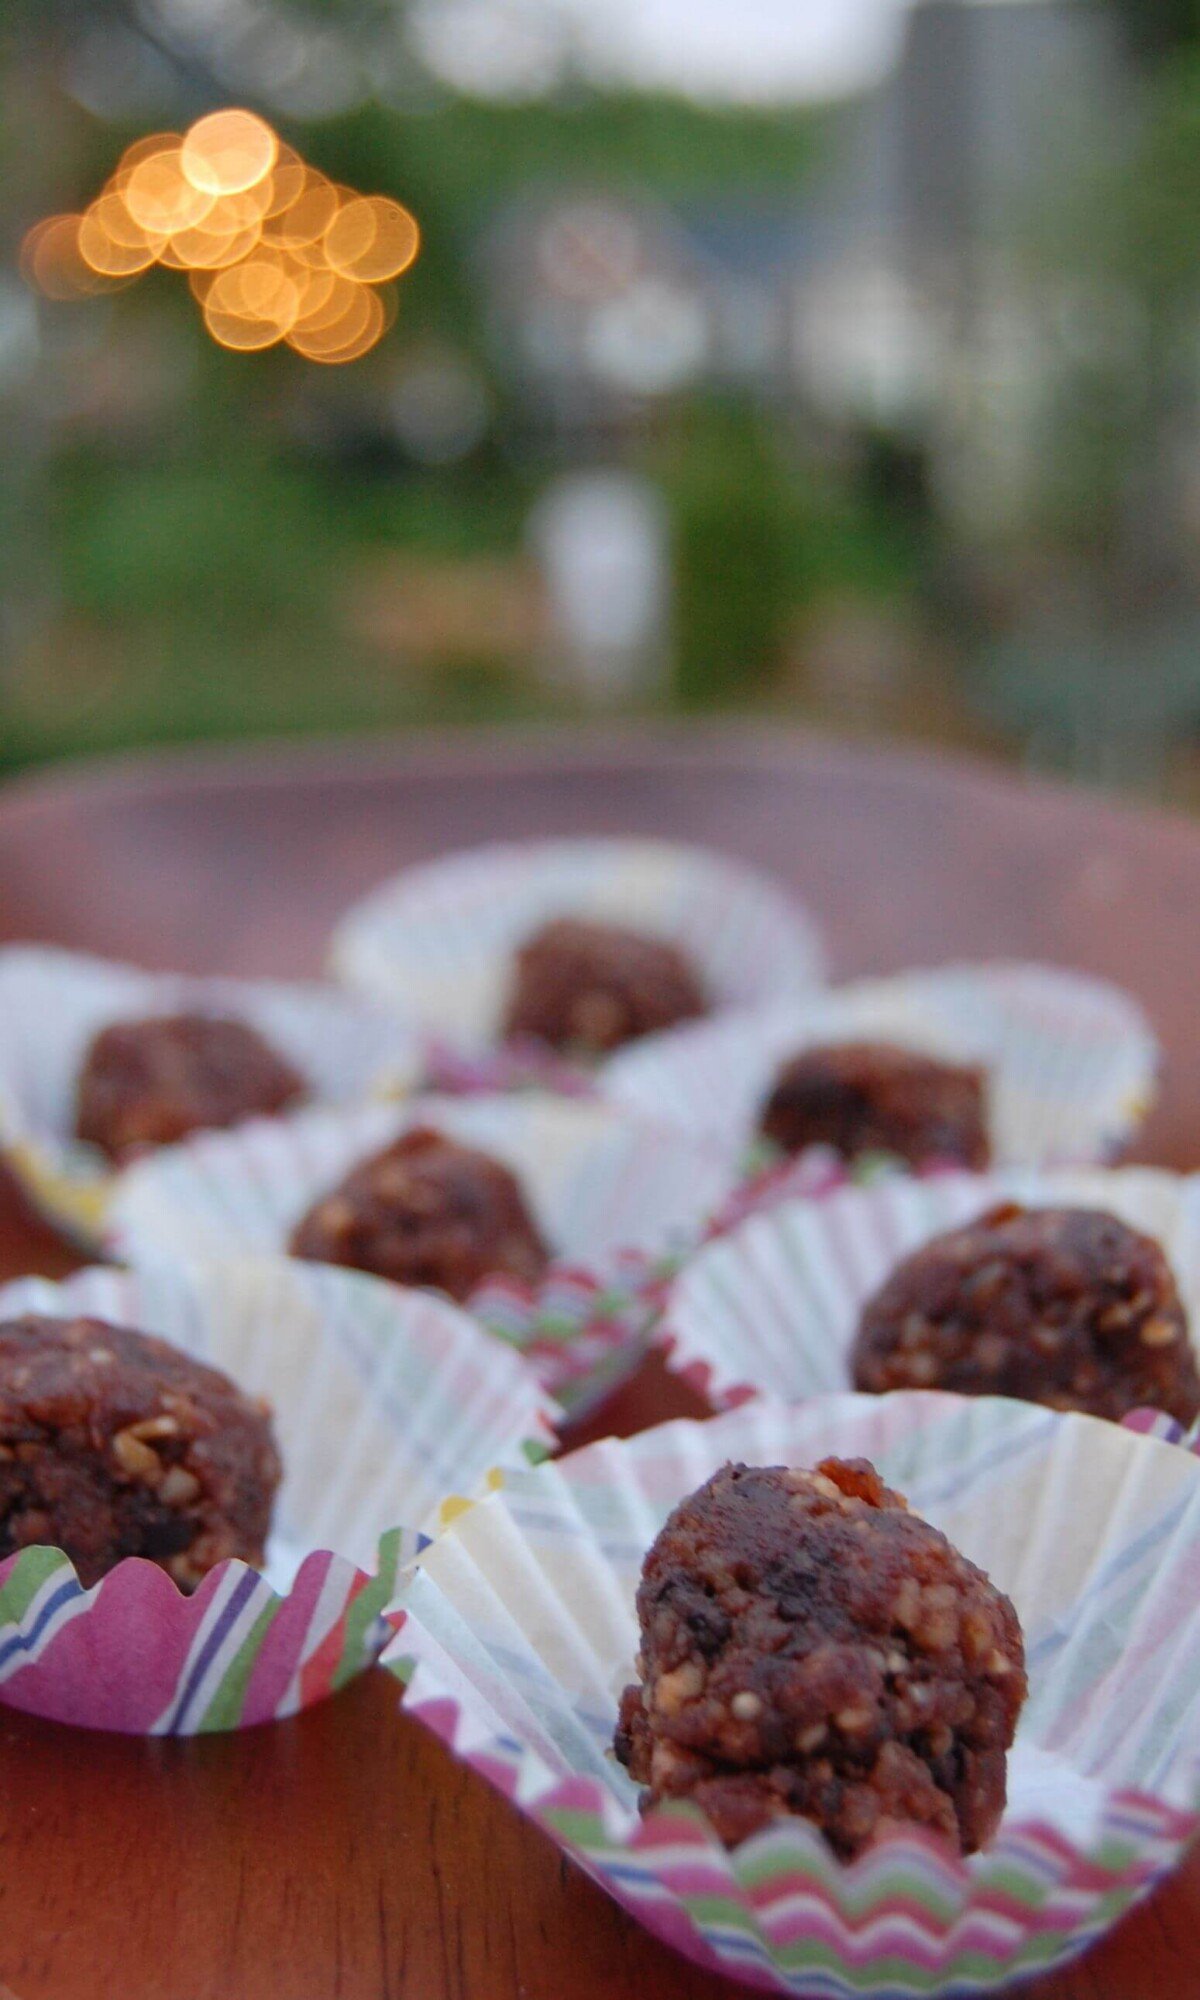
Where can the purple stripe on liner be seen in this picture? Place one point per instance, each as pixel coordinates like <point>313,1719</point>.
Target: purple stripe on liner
<point>237,1602</point>
<point>25,1642</point>
<point>283,1654</point>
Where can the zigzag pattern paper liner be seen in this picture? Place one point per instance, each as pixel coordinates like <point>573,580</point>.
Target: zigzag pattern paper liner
<point>53,1002</point>
<point>617,1204</point>
<point>518,1632</point>
<point>773,1307</point>
<point>384,1402</point>
<point>438,940</point>
<point>1072,1062</point>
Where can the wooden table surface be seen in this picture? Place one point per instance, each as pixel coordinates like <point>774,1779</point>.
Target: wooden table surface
<point>345,1853</point>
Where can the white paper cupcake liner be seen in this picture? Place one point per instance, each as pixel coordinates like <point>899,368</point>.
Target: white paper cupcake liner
<point>773,1306</point>
<point>616,1202</point>
<point>383,1401</point>
<point>438,940</point>
<point>53,1002</point>
<point>519,1632</point>
<point>1071,1061</point>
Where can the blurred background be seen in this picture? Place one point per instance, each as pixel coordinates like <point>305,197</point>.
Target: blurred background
<point>838,361</point>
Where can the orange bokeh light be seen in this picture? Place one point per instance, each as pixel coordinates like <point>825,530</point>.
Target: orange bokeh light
<point>307,217</point>
<point>351,333</point>
<point>110,241</point>
<point>228,152</point>
<point>286,181</point>
<point>229,232</point>
<point>161,199</point>
<point>52,260</point>
<point>252,305</point>
<point>331,298</point>
<point>142,149</point>
<point>372,239</point>
<point>273,249</point>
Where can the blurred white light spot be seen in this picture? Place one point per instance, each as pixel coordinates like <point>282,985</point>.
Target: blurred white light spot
<point>115,73</point>
<point>321,77</point>
<point>198,19</point>
<point>650,341</point>
<point>601,541</point>
<point>270,55</point>
<point>862,344</point>
<point>589,250</point>
<point>490,48</point>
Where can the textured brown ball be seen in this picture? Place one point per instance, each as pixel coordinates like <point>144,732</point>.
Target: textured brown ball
<point>114,1444</point>
<point>590,987</point>
<point>869,1097</point>
<point>811,1647</point>
<point>426,1211</point>
<point>1065,1306</point>
<point>150,1083</point>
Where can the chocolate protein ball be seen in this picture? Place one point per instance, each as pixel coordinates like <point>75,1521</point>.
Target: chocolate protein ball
<point>115,1444</point>
<point>871,1097</point>
<point>811,1647</point>
<point>590,987</point>
<point>426,1211</point>
<point>1065,1306</point>
<point>149,1083</point>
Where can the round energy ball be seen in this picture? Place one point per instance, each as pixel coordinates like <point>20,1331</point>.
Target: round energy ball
<point>810,1647</point>
<point>589,987</point>
<point>1065,1306</point>
<point>114,1444</point>
<point>871,1097</point>
<point>426,1211</point>
<point>150,1083</point>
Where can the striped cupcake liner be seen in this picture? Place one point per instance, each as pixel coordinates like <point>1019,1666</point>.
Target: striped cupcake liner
<point>384,1402</point>
<point>439,940</point>
<point>52,1004</point>
<point>1071,1062</point>
<point>518,1632</point>
<point>618,1203</point>
<point>773,1306</point>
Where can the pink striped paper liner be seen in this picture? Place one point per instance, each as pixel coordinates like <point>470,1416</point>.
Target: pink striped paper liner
<point>518,1632</point>
<point>385,1402</point>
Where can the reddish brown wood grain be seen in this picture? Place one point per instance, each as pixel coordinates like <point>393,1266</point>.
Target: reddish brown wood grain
<point>345,1854</point>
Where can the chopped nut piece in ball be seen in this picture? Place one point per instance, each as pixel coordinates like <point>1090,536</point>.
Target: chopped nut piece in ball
<point>590,987</point>
<point>150,1083</point>
<point>868,1097</point>
<point>1065,1306</point>
<point>426,1211</point>
<point>114,1444</point>
<point>810,1647</point>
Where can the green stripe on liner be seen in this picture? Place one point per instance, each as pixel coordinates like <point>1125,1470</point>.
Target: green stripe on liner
<point>224,1711</point>
<point>30,1571</point>
<point>362,1614</point>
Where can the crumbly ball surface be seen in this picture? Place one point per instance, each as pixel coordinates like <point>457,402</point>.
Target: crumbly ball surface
<point>1065,1306</point>
<point>150,1083</point>
<point>871,1097</point>
<point>588,987</point>
<point>115,1444</point>
<point>426,1211</point>
<point>811,1647</point>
